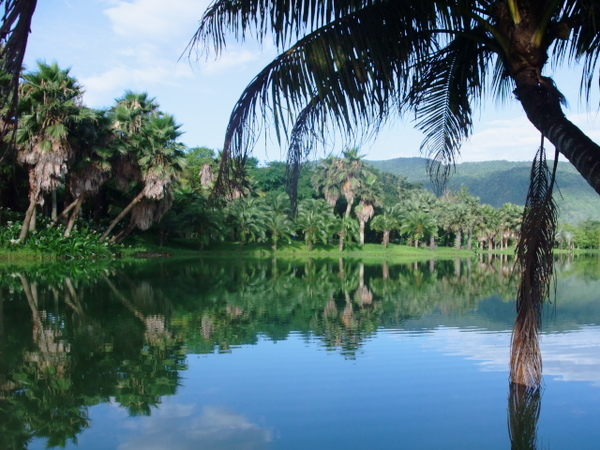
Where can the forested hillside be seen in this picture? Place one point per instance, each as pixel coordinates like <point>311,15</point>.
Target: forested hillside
<point>500,182</point>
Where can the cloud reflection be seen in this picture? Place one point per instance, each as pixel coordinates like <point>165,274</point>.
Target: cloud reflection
<point>567,356</point>
<point>178,426</point>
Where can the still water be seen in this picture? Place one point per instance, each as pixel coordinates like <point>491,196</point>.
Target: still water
<point>212,354</point>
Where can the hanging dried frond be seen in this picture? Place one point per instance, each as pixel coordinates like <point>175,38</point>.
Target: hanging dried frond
<point>535,263</point>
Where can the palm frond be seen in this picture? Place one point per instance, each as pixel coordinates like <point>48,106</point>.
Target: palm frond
<point>285,20</point>
<point>535,263</point>
<point>441,97</point>
<point>338,75</point>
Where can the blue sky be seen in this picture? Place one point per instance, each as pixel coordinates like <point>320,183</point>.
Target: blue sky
<point>116,45</point>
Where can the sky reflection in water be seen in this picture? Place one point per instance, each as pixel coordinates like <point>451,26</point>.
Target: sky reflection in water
<point>431,379</point>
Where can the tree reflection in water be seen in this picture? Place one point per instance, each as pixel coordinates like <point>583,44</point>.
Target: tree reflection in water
<point>524,405</point>
<point>77,338</point>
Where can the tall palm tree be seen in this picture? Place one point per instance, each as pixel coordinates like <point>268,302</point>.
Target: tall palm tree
<point>325,180</point>
<point>369,194</point>
<point>91,138</point>
<point>50,101</point>
<point>160,160</point>
<point>354,64</point>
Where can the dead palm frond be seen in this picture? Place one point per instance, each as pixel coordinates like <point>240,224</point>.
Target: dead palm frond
<point>535,263</point>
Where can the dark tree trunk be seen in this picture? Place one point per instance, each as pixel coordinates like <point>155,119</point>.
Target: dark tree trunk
<point>74,215</point>
<point>128,208</point>
<point>541,103</point>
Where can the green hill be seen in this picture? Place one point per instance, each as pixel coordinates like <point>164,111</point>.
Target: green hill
<point>500,182</point>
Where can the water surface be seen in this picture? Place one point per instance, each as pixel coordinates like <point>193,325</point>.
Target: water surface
<point>284,355</point>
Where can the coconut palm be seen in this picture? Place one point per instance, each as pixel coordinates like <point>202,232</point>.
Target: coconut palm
<point>353,65</point>
<point>50,101</point>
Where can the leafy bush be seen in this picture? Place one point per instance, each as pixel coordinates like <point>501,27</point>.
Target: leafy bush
<point>49,239</point>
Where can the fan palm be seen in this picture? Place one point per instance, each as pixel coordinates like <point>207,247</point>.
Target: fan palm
<point>90,139</point>
<point>159,158</point>
<point>50,102</point>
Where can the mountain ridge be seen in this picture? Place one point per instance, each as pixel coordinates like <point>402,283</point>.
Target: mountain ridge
<point>499,182</point>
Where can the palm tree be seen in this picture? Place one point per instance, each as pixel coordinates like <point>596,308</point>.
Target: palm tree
<point>355,64</point>
<point>50,102</point>
<point>417,225</point>
<point>278,225</point>
<point>349,230</point>
<point>490,225</point>
<point>160,159</point>
<point>386,222</point>
<point>14,31</point>
<point>325,180</point>
<point>369,193</point>
<point>90,140</point>
<point>248,219</point>
<point>511,216</point>
<point>314,218</point>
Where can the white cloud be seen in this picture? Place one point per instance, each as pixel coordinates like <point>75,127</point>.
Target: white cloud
<point>156,20</point>
<point>230,60</point>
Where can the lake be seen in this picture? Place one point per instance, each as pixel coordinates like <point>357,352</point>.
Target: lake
<point>304,354</point>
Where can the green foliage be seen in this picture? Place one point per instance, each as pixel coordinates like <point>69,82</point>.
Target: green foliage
<point>50,240</point>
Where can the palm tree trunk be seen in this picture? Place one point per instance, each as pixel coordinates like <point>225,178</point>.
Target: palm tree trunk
<point>74,215</point>
<point>362,232</point>
<point>458,240</point>
<point>341,243</point>
<point>386,238</point>
<point>67,210</point>
<point>348,210</point>
<point>128,208</point>
<point>54,213</point>
<point>27,220</point>
<point>542,106</point>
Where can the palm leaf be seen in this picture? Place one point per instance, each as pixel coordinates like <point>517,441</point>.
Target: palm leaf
<point>535,263</point>
<point>338,75</point>
<point>442,97</point>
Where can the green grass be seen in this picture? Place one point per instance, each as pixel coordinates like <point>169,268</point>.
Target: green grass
<point>300,250</point>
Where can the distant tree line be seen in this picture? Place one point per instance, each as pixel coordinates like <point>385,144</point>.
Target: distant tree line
<point>83,170</point>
